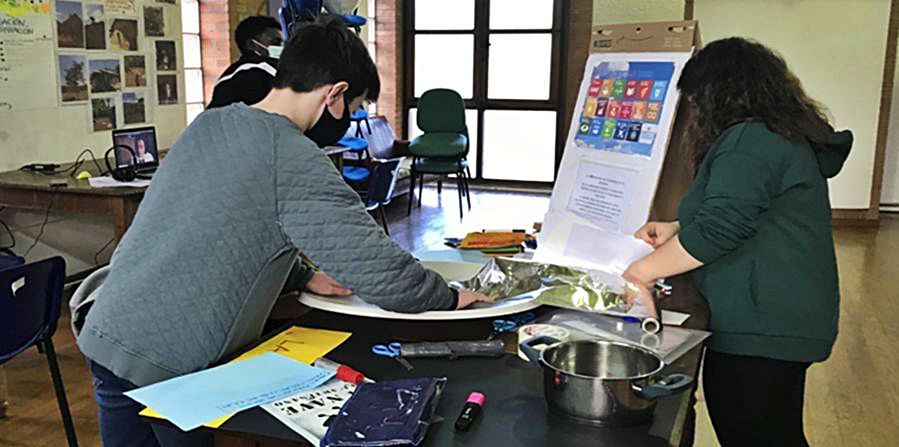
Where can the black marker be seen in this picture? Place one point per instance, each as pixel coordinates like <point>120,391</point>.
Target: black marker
<point>470,411</point>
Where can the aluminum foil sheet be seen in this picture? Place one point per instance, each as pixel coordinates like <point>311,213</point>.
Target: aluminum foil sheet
<point>554,285</point>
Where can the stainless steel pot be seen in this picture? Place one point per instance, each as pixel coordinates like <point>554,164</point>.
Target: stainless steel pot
<point>602,382</point>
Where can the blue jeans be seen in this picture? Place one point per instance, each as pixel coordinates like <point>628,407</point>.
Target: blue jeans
<point>120,424</point>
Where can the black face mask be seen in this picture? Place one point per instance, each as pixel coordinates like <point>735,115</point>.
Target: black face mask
<point>327,131</point>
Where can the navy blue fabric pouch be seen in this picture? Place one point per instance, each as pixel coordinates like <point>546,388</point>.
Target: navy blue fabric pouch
<point>395,412</point>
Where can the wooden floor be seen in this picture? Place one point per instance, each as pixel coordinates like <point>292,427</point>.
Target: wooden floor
<point>852,399</point>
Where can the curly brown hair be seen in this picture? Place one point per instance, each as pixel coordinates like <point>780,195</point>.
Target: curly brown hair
<point>735,79</point>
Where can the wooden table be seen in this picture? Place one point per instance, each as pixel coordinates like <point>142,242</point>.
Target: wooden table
<point>20,189</point>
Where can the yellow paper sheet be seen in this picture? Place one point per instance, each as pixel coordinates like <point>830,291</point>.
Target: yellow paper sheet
<point>299,343</point>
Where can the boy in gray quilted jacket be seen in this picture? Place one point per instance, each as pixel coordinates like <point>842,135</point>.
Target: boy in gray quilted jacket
<point>241,193</point>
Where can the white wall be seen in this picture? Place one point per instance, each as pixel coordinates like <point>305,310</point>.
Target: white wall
<point>627,11</point>
<point>58,133</point>
<point>890,193</point>
<point>836,48</point>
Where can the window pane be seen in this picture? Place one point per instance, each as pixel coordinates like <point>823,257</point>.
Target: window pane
<point>192,51</point>
<point>521,14</point>
<point>444,61</point>
<point>519,66</point>
<point>471,120</point>
<point>190,16</point>
<point>193,85</point>
<point>193,110</point>
<point>519,145</point>
<point>444,14</point>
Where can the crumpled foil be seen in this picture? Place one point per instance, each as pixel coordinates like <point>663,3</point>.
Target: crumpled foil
<point>554,285</point>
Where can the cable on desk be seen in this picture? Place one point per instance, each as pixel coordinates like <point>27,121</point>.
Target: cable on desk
<point>97,254</point>
<point>12,237</point>
<point>44,223</point>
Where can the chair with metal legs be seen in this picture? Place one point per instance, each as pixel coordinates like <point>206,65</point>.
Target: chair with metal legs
<point>443,147</point>
<point>30,301</point>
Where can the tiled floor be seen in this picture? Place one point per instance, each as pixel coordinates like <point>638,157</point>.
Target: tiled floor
<point>852,399</point>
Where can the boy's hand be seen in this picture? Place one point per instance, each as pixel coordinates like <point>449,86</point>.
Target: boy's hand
<point>324,285</point>
<point>467,298</point>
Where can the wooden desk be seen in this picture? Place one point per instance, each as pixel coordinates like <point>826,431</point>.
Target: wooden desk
<point>20,189</point>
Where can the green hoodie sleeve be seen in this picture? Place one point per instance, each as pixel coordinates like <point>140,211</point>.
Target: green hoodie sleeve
<point>743,175</point>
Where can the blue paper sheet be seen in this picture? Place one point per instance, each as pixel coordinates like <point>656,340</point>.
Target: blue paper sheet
<point>191,400</point>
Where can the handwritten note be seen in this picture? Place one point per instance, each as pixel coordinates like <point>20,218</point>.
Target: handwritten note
<point>191,400</point>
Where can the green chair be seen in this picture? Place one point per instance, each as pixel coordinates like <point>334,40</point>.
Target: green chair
<point>443,147</point>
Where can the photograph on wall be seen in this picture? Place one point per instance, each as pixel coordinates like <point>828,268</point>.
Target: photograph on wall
<point>154,21</point>
<point>72,78</point>
<point>167,89</point>
<point>123,35</point>
<point>105,75</point>
<point>94,28</point>
<point>103,114</point>
<point>623,106</point>
<point>165,55</point>
<point>133,104</point>
<point>69,25</point>
<point>135,71</point>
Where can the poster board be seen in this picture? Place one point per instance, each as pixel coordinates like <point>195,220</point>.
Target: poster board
<point>71,71</point>
<point>617,144</point>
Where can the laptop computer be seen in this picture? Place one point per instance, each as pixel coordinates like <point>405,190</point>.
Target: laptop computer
<point>142,141</point>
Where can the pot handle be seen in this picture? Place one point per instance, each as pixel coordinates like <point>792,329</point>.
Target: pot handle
<point>666,386</point>
<point>528,346</point>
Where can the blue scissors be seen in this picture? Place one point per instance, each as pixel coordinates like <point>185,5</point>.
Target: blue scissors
<point>391,350</point>
<point>510,324</point>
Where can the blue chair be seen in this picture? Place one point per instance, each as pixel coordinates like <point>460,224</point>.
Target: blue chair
<point>358,117</point>
<point>380,189</point>
<point>11,261</point>
<point>30,300</point>
<point>359,147</point>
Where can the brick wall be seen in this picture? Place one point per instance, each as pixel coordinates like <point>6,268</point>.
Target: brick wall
<point>389,49</point>
<point>215,37</point>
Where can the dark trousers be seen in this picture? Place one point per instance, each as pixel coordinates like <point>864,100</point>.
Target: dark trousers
<point>120,425</point>
<point>754,401</point>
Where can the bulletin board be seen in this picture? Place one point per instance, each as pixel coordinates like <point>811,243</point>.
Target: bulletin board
<point>72,71</point>
<point>617,145</point>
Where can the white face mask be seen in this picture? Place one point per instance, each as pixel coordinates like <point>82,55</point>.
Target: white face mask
<point>274,51</point>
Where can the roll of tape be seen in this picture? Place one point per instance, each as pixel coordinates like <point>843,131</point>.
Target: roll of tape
<point>530,330</point>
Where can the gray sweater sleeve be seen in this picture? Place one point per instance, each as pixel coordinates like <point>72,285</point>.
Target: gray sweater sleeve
<point>323,218</point>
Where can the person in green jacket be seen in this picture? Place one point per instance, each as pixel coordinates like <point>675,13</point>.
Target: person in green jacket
<point>755,229</point>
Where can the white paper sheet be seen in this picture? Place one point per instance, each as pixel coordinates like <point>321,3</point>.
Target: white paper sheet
<point>601,193</point>
<point>307,413</point>
<point>109,182</point>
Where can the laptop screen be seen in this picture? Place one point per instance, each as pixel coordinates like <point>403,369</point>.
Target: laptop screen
<point>142,141</point>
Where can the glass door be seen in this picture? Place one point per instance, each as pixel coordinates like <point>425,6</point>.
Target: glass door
<point>503,57</point>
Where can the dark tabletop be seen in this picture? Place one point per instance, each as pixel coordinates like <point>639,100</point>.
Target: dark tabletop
<point>515,411</point>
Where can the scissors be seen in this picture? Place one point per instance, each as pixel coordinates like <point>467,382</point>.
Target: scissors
<point>391,350</point>
<point>508,325</point>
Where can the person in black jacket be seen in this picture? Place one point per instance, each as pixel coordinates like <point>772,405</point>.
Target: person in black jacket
<point>249,79</point>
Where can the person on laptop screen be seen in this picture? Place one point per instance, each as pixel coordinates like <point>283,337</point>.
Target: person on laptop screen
<point>143,155</point>
<point>217,237</point>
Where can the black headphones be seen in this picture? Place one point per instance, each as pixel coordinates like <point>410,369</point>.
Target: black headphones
<point>125,173</point>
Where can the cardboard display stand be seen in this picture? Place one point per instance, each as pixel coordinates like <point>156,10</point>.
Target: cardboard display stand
<point>619,139</point>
